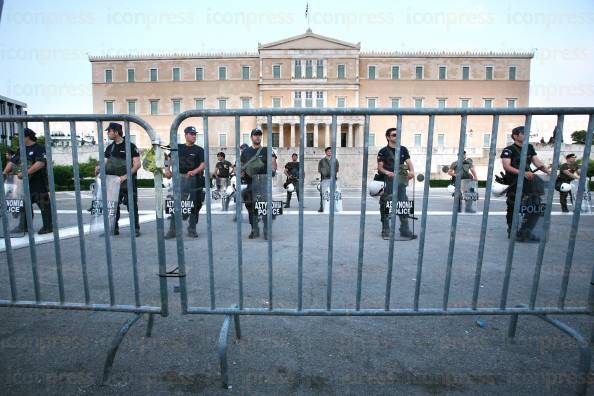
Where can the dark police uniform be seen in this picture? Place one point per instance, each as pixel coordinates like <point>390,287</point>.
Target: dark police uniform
<point>248,194</point>
<point>531,192</point>
<point>115,154</point>
<point>292,168</point>
<point>224,168</point>
<point>387,155</point>
<point>466,175</point>
<point>190,158</point>
<point>563,178</point>
<point>38,184</point>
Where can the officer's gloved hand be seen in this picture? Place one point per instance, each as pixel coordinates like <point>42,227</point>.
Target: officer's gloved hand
<point>501,178</point>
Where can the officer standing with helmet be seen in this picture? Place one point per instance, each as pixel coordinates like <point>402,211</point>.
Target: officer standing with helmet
<point>191,171</point>
<point>533,186</point>
<point>292,173</point>
<point>468,173</point>
<point>568,172</point>
<point>254,163</point>
<point>385,167</point>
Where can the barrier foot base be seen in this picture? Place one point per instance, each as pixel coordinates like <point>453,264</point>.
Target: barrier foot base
<point>115,344</point>
<point>223,345</point>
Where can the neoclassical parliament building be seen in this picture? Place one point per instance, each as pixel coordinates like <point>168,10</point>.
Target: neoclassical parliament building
<point>314,71</point>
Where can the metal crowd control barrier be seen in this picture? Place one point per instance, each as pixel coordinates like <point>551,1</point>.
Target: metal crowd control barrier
<point>138,308</point>
<point>543,312</point>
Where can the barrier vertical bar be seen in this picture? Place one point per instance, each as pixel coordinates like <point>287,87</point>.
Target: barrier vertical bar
<point>238,212</point>
<point>28,210</point>
<point>160,226</point>
<point>362,216</point>
<point>517,201</point>
<point>54,211</point>
<point>461,145</point>
<point>106,223</point>
<point>331,219</point>
<point>209,215</point>
<point>301,199</point>
<point>575,220</point>
<point>268,231</point>
<point>549,207</point>
<point>134,222</point>
<point>393,211</point>
<point>81,228</point>
<point>486,206</point>
<point>425,209</point>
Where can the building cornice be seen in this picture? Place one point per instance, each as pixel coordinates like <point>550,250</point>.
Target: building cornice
<point>174,56</point>
<point>446,54</point>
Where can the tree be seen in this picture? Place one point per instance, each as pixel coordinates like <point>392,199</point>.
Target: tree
<point>579,137</point>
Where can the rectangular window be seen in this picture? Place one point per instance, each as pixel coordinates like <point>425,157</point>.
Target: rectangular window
<point>418,138</point>
<point>199,104</point>
<point>222,104</point>
<point>222,73</point>
<point>245,103</point>
<point>511,103</point>
<point>276,72</point>
<point>395,102</point>
<point>371,141</point>
<point>486,139</point>
<point>340,72</point>
<point>395,72</point>
<point>464,103</point>
<point>199,73</point>
<point>371,103</point>
<point>108,75</point>
<point>275,139</point>
<point>320,99</point>
<point>512,73</point>
<point>132,107</point>
<point>176,104</point>
<point>154,106</point>
<point>297,98</point>
<point>441,103</point>
<point>443,71</point>
<point>340,102</point>
<point>418,103</point>
<point>488,72</point>
<point>309,139</point>
<point>465,72</point>
<point>245,72</point>
<point>419,72</point>
<point>222,139</point>
<point>297,68</point>
<point>109,107</point>
<point>308,68</point>
<point>154,74</point>
<point>488,104</point>
<point>276,103</point>
<point>441,139</point>
<point>308,99</point>
<point>176,74</point>
<point>131,75</point>
<point>319,68</point>
<point>371,72</point>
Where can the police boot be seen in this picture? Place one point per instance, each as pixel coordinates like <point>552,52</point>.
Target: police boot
<point>22,227</point>
<point>255,229</point>
<point>288,203</point>
<point>564,208</point>
<point>385,229</point>
<point>405,232</point>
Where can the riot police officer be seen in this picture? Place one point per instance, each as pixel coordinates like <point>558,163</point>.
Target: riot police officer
<point>386,159</point>
<point>325,170</point>
<point>191,170</point>
<point>533,186</point>
<point>292,173</point>
<point>468,173</point>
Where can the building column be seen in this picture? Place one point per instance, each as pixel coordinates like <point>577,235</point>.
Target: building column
<point>315,135</point>
<point>350,135</point>
<point>292,135</point>
<point>327,135</point>
<point>281,132</point>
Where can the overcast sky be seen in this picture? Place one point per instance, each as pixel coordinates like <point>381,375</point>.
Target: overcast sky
<point>44,45</point>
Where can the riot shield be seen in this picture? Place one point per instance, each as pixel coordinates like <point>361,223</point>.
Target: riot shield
<point>404,210</point>
<point>325,188</point>
<point>586,198</point>
<point>190,194</point>
<point>15,207</point>
<point>224,192</point>
<point>259,188</point>
<point>532,210</point>
<point>112,184</point>
<point>469,195</point>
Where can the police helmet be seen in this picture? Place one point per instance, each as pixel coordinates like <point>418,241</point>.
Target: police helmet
<point>498,189</point>
<point>451,188</point>
<point>290,187</point>
<point>229,190</point>
<point>565,187</point>
<point>375,188</point>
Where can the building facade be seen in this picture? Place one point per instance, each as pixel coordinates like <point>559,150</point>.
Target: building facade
<point>10,107</point>
<point>311,70</point>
